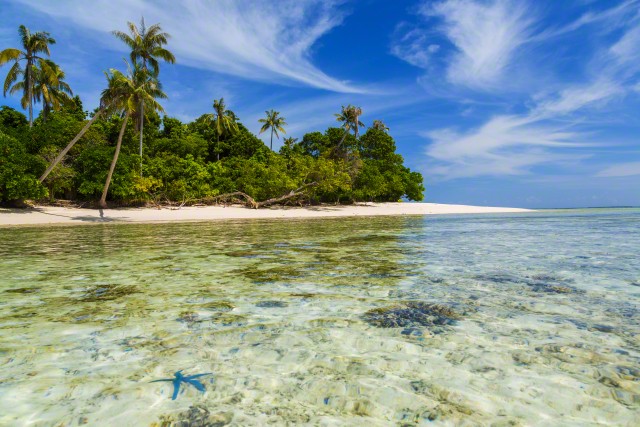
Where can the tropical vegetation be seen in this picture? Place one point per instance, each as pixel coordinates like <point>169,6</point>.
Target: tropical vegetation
<point>97,156</point>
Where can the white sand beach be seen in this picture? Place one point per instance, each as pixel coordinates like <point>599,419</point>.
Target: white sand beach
<point>61,215</point>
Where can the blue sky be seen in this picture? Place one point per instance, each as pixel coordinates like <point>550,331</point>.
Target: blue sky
<point>497,102</point>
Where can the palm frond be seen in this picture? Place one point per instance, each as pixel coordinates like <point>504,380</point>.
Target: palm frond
<point>18,87</point>
<point>25,35</point>
<point>14,72</point>
<point>10,54</point>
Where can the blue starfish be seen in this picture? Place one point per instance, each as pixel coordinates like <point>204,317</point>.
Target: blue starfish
<point>179,378</point>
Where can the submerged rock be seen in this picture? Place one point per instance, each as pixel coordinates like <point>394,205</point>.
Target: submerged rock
<point>551,289</point>
<point>243,254</point>
<point>268,275</point>
<point>369,238</point>
<point>22,290</point>
<point>195,416</point>
<point>221,306</point>
<point>188,317</point>
<point>271,304</point>
<point>541,283</point>
<point>304,295</point>
<point>108,292</point>
<point>413,313</point>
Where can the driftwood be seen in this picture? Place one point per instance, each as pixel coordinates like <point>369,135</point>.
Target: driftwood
<point>235,196</point>
<point>250,202</point>
<point>298,192</point>
<point>296,195</point>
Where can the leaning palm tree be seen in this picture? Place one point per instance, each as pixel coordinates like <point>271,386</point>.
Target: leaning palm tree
<point>379,125</point>
<point>146,46</point>
<point>33,46</point>
<point>51,89</point>
<point>273,122</point>
<point>224,121</point>
<point>350,119</point>
<point>129,93</point>
<point>108,99</point>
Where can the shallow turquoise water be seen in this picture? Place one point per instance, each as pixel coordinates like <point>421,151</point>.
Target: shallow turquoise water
<point>535,321</point>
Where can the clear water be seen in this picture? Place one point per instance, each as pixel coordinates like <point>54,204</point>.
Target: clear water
<point>543,325</point>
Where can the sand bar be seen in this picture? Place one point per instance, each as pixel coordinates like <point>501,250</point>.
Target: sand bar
<point>62,215</point>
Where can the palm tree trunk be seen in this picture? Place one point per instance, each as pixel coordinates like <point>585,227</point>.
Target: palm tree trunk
<point>344,135</point>
<point>71,144</point>
<point>141,128</point>
<point>29,72</point>
<point>271,139</point>
<point>103,199</point>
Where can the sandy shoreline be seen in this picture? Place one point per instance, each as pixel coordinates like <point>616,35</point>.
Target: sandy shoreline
<point>58,215</point>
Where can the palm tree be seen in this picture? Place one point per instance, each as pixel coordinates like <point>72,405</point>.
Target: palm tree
<point>129,93</point>
<point>223,120</point>
<point>51,89</point>
<point>379,125</point>
<point>33,45</point>
<point>146,46</point>
<point>350,119</point>
<point>290,142</point>
<point>273,122</point>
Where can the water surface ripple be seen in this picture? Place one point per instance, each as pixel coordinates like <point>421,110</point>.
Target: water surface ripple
<point>529,319</point>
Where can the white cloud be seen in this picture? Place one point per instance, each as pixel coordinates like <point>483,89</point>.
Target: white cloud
<point>505,145</point>
<point>413,46</point>
<point>512,144</point>
<point>610,19</point>
<point>621,169</point>
<point>253,39</point>
<point>577,97</point>
<point>486,36</point>
<point>627,48</point>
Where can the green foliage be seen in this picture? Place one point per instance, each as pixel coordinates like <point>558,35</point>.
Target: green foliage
<point>18,180</point>
<point>315,143</point>
<point>187,145</point>
<point>11,119</point>
<point>181,160</point>
<point>92,166</point>
<point>244,144</point>
<point>180,178</point>
<point>60,180</point>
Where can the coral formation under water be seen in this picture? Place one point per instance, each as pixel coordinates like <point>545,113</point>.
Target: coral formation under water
<point>412,313</point>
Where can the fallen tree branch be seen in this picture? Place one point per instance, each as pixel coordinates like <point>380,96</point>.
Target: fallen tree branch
<point>248,200</point>
<point>238,196</point>
<point>298,192</point>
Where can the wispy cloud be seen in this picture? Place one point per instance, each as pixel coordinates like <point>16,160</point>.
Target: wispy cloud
<point>611,18</point>
<point>512,144</point>
<point>254,39</point>
<point>485,36</point>
<point>505,145</point>
<point>627,49</point>
<point>555,122</point>
<point>621,169</point>
<point>576,97</point>
<point>413,46</point>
